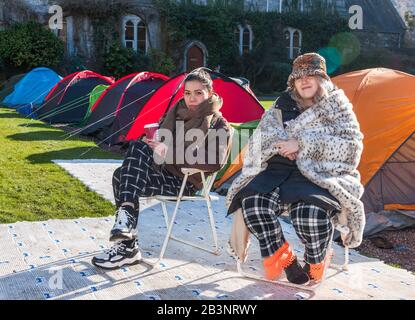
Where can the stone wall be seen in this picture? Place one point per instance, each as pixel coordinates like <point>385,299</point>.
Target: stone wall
<point>79,33</point>
<point>404,6</point>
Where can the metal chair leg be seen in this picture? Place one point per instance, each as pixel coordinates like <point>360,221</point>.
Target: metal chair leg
<point>212,224</point>
<point>216,251</point>
<point>173,218</point>
<point>166,216</point>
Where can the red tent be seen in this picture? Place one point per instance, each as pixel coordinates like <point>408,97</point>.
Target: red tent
<point>68,101</point>
<point>116,108</point>
<point>239,105</point>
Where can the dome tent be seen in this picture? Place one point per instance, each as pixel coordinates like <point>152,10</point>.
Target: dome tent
<point>115,110</point>
<point>387,119</point>
<point>68,101</point>
<point>32,89</point>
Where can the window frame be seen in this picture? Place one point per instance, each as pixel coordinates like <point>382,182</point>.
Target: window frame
<point>136,21</point>
<point>241,43</point>
<point>291,48</point>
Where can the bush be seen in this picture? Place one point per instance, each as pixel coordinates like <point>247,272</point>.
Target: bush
<point>161,62</point>
<point>121,61</point>
<point>274,78</point>
<point>2,72</point>
<point>28,45</point>
<point>118,60</point>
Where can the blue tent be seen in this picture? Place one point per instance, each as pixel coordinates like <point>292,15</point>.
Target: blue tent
<point>32,89</point>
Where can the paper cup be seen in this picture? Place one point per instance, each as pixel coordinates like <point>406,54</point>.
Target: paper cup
<point>151,131</point>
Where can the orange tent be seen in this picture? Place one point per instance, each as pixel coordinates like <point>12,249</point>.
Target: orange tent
<point>384,103</point>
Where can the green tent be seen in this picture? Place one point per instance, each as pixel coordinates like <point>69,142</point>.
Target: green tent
<point>242,132</point>
<point>94,96</point>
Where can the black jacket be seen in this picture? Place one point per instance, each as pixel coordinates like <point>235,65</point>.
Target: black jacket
<point>284,174</point>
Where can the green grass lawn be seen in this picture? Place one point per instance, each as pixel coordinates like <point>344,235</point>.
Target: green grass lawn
<point>32,188</point>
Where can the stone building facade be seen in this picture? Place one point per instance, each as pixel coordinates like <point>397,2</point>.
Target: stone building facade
<point>139,25</point>
<point>406,9</point>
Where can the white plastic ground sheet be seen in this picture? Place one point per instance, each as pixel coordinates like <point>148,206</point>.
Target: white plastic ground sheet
<point>51,259</point>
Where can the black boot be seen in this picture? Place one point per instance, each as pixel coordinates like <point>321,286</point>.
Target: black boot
<point>296,274</point>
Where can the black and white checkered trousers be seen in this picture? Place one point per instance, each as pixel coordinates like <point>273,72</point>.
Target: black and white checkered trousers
<point>311,223</point>
<point>138,178</point>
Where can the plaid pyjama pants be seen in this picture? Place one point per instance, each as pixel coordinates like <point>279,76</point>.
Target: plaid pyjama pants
<point>311,223</point>
<point>138,178</point>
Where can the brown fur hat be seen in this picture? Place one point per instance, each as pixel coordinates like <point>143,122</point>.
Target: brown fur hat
<point>309,64</point>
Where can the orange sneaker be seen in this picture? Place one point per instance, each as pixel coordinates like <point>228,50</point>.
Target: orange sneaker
<point>316,271</point>
<point>281,259</point>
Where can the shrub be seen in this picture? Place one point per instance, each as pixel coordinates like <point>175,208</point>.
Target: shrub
<point>120,61</point>
<point>161,62</point>
<point>274,78</point>
<point>28,45</point>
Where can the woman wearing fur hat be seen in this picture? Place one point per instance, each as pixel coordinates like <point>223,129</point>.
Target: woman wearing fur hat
<point>310,145</point>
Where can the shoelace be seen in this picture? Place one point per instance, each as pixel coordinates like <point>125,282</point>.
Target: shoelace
<point>114,249</point>
<point>124,217</point>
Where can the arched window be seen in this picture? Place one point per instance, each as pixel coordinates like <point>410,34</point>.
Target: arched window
<point>236,35</point>
<point>134,33</point>
<point>142,37</point>
<point>293,39</point>
<point>129,34</point>
<point>244,37</point>
<point>296,43</point>
<point>246,40</point>
<point>287,38</point>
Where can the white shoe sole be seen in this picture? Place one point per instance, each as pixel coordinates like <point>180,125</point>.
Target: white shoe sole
<point>119,264</point>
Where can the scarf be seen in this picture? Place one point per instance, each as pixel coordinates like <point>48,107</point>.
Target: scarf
<point>199,117</point>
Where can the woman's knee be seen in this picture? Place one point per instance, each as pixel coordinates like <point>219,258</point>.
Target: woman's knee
<point>258,213</point>
<point>268,200</point>
<point>307,219</point>
<point>303,210</point>
<point>248,203</point>
<point>139,148</point>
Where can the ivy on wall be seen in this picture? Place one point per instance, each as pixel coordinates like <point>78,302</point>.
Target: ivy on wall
<point>267,66</point>
<point>110,57</point>
<point>105,17</point>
